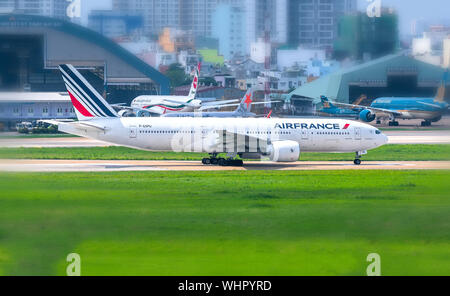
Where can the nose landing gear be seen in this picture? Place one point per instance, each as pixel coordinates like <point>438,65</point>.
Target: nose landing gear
<point>358,156</point>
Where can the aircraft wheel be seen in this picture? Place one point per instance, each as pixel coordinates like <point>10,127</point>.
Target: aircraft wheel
<point>357,161</point>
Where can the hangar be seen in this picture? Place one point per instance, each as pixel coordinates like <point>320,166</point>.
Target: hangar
<point>32,47</point>
<point>393,75</point>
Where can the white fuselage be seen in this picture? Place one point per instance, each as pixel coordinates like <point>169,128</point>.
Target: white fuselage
<point>203,134</point>
<point>160,105</point>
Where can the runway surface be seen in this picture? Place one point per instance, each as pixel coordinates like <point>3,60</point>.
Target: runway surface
<point>395,137</point>
<point>121,165</point>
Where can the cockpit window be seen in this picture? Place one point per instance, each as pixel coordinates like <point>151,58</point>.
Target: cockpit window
<point>378,132</point>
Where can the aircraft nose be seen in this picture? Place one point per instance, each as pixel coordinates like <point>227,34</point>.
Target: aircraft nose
<point>385,139</point>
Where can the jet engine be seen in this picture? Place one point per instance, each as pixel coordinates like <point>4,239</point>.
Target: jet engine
<point>126,113</point>
<point>283,151</point>
<point>367,115</point>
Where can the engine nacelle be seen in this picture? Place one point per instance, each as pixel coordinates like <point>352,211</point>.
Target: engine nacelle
<point>367,115</point>
<point>126,113</point>
<point>284,151</point>
<point>436,119</point>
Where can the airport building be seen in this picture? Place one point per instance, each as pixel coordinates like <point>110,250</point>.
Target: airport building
<point>396,75</point>
<point>16,107</point>
<point>32,47</point>
<point>50,8</point>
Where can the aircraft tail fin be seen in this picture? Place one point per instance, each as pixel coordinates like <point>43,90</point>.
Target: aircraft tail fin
<point>87,102</point>
<point>360,99</point>
<point>246,102</point>
<point>441,91</point>
<point>194,85</point>
<point>326,103</point>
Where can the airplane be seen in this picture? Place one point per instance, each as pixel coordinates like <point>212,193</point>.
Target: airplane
<point>332,110</point>
<point>279,140</point>
<point>243,109</point>
<point>428,109</point>
<point>159,105</point>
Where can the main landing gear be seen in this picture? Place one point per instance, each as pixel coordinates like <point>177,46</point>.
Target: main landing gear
<point>393,123</point>
<point>358,156</point>
<point>213,160</point>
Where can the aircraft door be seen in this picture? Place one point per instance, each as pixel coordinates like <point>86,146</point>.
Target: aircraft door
<point>357,133</point>
<point>133,132</point>
<point>305,134</point>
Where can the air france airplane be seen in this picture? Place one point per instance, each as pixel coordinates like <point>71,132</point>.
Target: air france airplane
<point>279,140</point>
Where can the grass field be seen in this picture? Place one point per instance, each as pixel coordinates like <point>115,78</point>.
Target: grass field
<point>387,152</point>
<point>226,223</point>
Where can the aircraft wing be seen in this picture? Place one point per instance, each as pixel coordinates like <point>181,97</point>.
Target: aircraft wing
<point>241,140</point>
<point>214,103</point>
<point>231,105</point>
<point>134,109</point>
<point>76,124</point>
<point>380,110</point>
<point>180,103</point>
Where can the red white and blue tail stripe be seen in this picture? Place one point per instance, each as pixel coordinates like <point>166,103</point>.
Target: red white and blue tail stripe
<point>88,103</point>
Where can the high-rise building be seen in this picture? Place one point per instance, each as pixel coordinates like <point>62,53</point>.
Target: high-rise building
<point>228,27</point>
<point>157,14</point>
<point>266,18</point>
<point>188,15</point>
<point>50,8</point>
<point>314,23</point>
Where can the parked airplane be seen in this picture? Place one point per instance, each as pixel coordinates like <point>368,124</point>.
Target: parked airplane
<point>428,109</point>
<point>146,105</point>
<point>243,109</point>
<point>281,140</point>
<point>328,108</point>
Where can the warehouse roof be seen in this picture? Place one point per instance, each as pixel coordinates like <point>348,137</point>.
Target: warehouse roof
<point>336,85</point>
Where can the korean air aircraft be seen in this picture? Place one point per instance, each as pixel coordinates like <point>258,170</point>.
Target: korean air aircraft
<point>428,109</point>
<point>158,105</point>
<point>280,140</point>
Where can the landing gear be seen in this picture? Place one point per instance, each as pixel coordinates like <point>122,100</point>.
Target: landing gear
<point>393,123</point>
<point>358,156</point>
<point>378,121</point>
<point>222,161</point>
<point>425,123</point>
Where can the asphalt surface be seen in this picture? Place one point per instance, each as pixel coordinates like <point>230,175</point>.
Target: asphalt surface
<point>125,165</point>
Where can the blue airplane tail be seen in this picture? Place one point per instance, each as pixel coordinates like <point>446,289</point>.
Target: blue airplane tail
<point>326,103</point>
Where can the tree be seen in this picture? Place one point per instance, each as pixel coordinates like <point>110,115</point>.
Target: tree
<point>176,75</point>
